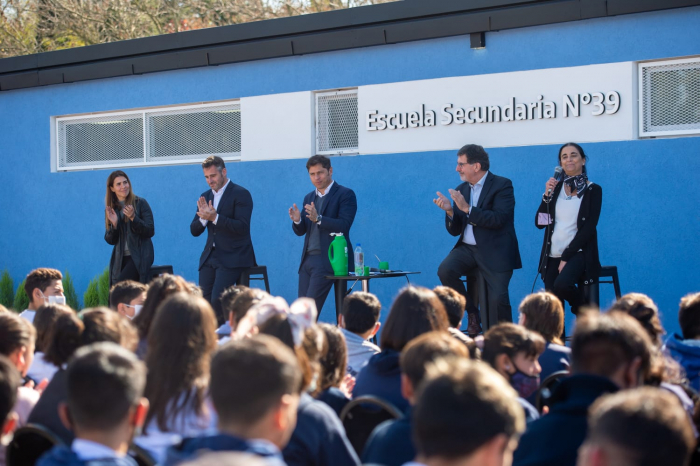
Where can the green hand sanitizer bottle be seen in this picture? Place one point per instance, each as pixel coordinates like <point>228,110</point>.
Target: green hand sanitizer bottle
<point>338,254</point>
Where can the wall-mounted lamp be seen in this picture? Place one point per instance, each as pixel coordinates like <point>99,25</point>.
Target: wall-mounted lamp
<point>477,40</point>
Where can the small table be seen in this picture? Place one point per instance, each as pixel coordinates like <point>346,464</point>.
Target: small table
<point>340,290</point>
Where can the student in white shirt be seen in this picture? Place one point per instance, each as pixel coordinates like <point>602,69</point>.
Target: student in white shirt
<point>43,286</point>
<point>44,322</point>
<point>359,321</point>
<point>105,406</point>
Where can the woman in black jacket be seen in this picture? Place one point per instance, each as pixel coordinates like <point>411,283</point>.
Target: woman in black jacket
<point>129,228</point>
<point>569,212</point>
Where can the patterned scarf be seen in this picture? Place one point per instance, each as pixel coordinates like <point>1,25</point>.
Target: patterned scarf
<point>578,183</point>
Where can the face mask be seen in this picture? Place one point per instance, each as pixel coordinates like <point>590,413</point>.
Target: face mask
<point>54,299</point>
<point>137,309</point>
<point>524,384</point>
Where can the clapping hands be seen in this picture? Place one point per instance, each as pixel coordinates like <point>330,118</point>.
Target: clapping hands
<point>206,211</point>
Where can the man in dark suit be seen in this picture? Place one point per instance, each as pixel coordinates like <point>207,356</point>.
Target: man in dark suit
<point>224,211</point>
<point>481,214</point>
<point>330,208</point>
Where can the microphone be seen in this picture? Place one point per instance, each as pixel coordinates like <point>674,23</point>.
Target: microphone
<point>557,176</point>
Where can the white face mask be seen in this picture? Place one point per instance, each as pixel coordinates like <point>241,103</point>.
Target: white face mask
<point>54,299</point>
<point>137,309</point>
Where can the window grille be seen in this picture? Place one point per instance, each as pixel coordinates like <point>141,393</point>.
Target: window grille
<point>149,137</point>
<point>336,122</point>
<point>669,98</point>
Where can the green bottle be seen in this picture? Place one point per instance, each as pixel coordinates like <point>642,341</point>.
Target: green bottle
<point>338,254</point>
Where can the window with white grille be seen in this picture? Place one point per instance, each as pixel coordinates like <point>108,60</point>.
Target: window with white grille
<point>669,98</point>
<point>149,137</point>
<point>336,122</point>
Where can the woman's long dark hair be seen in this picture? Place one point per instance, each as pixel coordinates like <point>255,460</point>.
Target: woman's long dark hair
<point>180,344</point>
<point>159,289</point>
<point>111,198</point>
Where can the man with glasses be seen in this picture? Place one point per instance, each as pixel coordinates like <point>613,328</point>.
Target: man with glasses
<point>481,214</point>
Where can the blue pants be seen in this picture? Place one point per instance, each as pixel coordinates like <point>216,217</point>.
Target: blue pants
<point>312,281</point>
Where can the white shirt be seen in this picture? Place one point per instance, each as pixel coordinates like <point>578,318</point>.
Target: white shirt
<point>28,314</point>
<point>318,193</point>
<point>565,222</point>
<point>40,368</point>
<point>217,198</point>
<point>88,450</point>
<point>476,192</point>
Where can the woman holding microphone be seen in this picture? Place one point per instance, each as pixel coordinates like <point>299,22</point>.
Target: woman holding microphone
<point>569,213</point>
<point>129,228</point>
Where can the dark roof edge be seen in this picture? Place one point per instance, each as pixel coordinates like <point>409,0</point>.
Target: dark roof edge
<point>401,21</point>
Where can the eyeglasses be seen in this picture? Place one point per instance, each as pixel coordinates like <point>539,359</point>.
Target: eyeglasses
<point>462,164</point>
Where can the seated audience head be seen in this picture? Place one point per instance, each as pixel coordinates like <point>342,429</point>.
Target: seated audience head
<point>689,316</point>
<point>513,351</point>
<point>642,308</point>
<point>420,352</point>
<point>183,330</point>
<point>226,458</point>
<point>44,286</point>
<point>10,381</point>
<point>3,308</point>
<point>543,313</point>
<point>360,314</point>
<point>238,306</point>
<point>415,311</point>
<point>638,427</point>
<point>454,304</point>
<point>44,322</point>
<point>255,389</point>
<point>105,401</point>
<point>466,414</point>
<point>17,338</point>
<point>127,297</point>
<point>612,345</point>
<point>334,361</point>
<point>229,295</point>
<point>160,288</point>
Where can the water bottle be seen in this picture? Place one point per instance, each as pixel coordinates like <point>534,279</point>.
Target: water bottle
<point>359,260</point>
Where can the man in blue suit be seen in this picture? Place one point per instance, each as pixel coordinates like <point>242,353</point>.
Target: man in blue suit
<point>224,212</point>
<point>330,208</point>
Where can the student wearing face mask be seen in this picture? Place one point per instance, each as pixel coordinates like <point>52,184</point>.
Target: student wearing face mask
<point>43,286</point>
<point>513,351</point>
<point>127,298</point>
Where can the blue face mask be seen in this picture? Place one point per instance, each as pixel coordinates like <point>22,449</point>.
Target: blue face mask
<point>524,384</point>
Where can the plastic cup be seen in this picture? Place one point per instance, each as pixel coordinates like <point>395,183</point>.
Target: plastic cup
<point>366,272</point>
<point>383,266</point>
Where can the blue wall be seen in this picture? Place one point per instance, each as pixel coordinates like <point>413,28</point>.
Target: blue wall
<point>648,227</point>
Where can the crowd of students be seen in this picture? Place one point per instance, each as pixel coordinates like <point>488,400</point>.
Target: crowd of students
<point>153,374</point>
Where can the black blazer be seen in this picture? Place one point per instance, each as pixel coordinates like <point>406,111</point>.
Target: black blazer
<point>492,219</point>
<point>232,231</point>
<point>137,234</point>
<point>586,238</point>
<point>338,212</point>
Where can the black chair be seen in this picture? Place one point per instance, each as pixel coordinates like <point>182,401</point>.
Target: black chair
<point>29,443</point>
<point>157,270</point>
<point>547,387</point>
<point>141,455</point>
<point>591,290</point>
<point>260,271</point>
<point>362,415</point>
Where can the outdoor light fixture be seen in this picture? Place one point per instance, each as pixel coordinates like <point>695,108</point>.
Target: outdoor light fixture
<point>478,40</point>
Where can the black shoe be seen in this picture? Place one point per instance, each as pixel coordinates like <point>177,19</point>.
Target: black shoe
<point>473,324</point>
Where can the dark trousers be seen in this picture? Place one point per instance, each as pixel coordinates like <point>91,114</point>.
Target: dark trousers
<point>129,270</point>
<point>214,278</point>
<point>466,260</point>
<point>312,281</point>
<point>563,284</point>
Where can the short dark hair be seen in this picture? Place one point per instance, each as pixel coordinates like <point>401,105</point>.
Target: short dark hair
<point>214,161</point>
<point>475,154</point>
<point>242,303</point>
<point>40,278</point>
<point>462,405</point>
<point>44,321</point>
<point>645,426</point>
<point>360,312</point>
<point>324,161</point>
<point>103,324</point>
<point>642,308</point>
<point>689,316</point>
<point>510,339</point>
<point>544,315</point>
<point>454,304</point>
<point>229,295</point>
<point>250,376</point>
<point>415,311</point>
<point>428,348</point>
<point>124,292</point>
<point>104,382</point>
<point>10,381</point>
<point>578,148</point>
<point>602,343</point>
<point>334,362</point>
